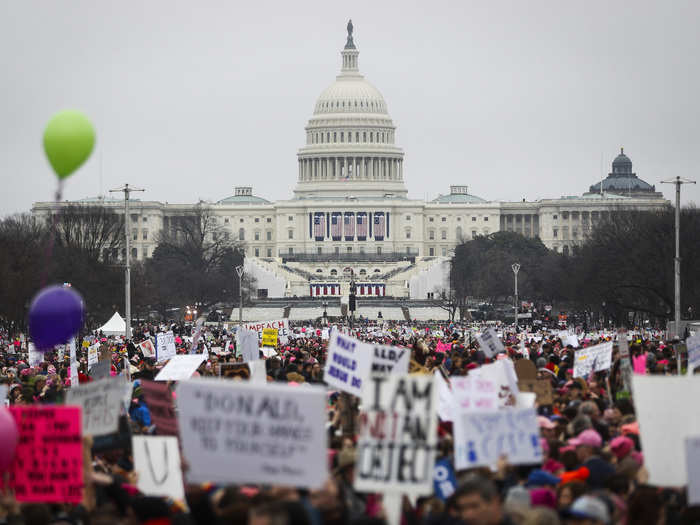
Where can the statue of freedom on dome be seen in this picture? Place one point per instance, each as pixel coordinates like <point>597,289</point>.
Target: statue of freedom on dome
<point>350,44</point>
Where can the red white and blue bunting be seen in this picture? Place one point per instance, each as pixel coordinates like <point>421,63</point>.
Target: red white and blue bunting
<point>326,289</point>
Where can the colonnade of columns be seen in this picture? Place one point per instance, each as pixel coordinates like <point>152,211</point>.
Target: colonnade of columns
<point>350,167</point>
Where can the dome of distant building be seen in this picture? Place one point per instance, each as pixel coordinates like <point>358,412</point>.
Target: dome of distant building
<point>459,195</point>
<point>243,195</point>
<point>622,181</point>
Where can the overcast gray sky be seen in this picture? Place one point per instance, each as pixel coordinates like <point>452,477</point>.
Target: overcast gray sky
<point>517,99</point>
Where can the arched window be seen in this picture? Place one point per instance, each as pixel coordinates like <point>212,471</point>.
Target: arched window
<point>458,233</point>
<point>408,233</point>
<point>431,235</point>
<point>443,234</point>
<point>377,270</point>
<point>334,272</point>
<point>319,270</point>
<point>364,136</point>
<point>241,234</point>
<point>363,272</point>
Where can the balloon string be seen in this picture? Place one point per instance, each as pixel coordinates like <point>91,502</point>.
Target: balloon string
<point>52,233</point>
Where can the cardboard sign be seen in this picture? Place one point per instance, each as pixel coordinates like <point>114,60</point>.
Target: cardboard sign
<point>239,432</point>
<point>48,462</point>
<point>693,345</point>
<point>159,400</point>
<point>247,344</point>
<point>147,348</point>
<point>398,435</point>
<point>490,343</point>
<point>100,402</point>
<point>444,479</point>
<point>390,359</point>
<point>165,346</point>
<point>348,363</point>
<point>482,437</point>
<point>269,337</point>
<point>692,461</point>
<point>157,460</point>
<point>93,355</point>
<point>542,388</point>
<point>594,358</point>
<point>281,325</point>
<point>664,406</point>
<point>180,367</point>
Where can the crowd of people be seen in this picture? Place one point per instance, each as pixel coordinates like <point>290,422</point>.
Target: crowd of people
<point>593,471</point>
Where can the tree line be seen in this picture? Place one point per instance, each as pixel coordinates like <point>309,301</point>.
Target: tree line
<point>624,267</point>
<point>84,245</point>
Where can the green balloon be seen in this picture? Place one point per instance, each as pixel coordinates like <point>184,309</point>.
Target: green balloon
<point>68,141</point>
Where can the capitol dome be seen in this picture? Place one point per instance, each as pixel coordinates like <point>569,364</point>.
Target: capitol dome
<point>350,148</point>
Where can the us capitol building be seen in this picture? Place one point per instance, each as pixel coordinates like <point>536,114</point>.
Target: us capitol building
<point>350,214</point>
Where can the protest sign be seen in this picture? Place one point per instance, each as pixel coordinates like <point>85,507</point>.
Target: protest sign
<point>482,437</point>
<point>444,479</point>
<point>473,393</point>
<point>147,348</point>
<point>663,405</point>
<point>281,325</point>
<point>348,363</point>
<point>445,397</point>
<point>159,400</point>
<point>490,343</point>
<point>74,379</point>
<point>502,373</point>
<point>240,432</point>
<point>48,463</point>
<point>692,461</point>
<point>443,347</point>
<point>196,334</point>
<point>100,402</point>
<point>269,337</point>
<point>398,435</point>
<point>542,388</point>
<point>157,460</point>
<point>325,334</point>
<point>693,345</point>
<point>165,346</point>
<point>93,355</point>
<point>180,367</point>
<point>594,358</point>
<point>247,344</point>
<point>34,356</point>
<point>390,360</point>
<point>101,369</point>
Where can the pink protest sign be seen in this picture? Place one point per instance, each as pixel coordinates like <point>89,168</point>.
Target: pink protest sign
<point>443,347</point>
<point>640,364</point>
<point>48,464</point>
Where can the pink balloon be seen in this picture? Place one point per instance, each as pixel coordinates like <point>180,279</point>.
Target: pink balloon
<point>9,436</point>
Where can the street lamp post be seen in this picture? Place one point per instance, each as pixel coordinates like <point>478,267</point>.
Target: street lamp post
<point>678,181</point>
<point>239,271</point>
<point>127,259</point>
<point>516,269</point>
<point>325,313</point>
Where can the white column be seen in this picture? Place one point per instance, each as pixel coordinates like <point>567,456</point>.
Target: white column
<point>328,167</point>
<point>401,169</point>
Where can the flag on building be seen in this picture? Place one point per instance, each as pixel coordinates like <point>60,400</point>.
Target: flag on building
<point>319,226</point>
<point>349,220</point>
<point>336,226</point>
<point>361,226</point>
<point>379,226</point>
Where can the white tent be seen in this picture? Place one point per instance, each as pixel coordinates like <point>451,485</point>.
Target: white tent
<point>115,326</point>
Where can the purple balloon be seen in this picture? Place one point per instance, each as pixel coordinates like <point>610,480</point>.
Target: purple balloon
<point>56,315</point>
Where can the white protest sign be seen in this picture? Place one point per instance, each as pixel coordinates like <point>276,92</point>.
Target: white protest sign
<point>240,432</point>
<point>93,355</point>
<point>157,460</point>
<point>664,406</point>
<point>571,340</point>
<point>490,343</point>
<point>147,348</point>
<point>35,356</point>
<point>100,402</point>
<point>482,437</point>
<point>281,325</point>
<point>445,397</point>
<point>325,334</point>
<point>474,393</point>
<point>165,346</point>
<point>502,374</point>
<point>390,359</point>
<point>72,351</point>
<point>348,364</point>
<point>74,380</point>
<point>180,367</point>
<point>247,344</point>
<point>594,358</point>
<point>196,334</point>
<point>398,435</point>
<point>693,345</point>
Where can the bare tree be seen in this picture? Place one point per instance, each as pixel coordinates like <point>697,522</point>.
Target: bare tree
<point>94,230</point>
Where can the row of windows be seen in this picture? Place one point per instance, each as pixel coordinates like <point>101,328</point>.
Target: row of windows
<point>256,235</point>
<point>334,272</point>
<point>341,104</point>
<point>444,219</point>
<point>380,137</point>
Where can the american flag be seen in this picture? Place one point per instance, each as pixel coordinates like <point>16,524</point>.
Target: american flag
<point>361,226</point>
<point>319,226</point>
<point>336,226</point>
<point>349,226</point>
<point>378,227</point>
